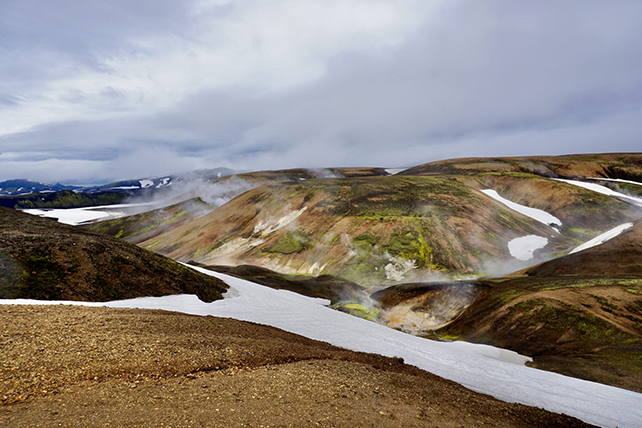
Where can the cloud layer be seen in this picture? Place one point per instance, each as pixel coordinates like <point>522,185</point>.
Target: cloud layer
<point>96,91</point>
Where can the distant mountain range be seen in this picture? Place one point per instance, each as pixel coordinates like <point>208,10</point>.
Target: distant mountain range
<point>30,194</point>
<point>26,187</point>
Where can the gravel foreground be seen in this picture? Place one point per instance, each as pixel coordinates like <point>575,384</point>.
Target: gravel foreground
<point>83,366</point>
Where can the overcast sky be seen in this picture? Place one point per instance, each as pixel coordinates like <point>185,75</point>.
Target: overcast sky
<point>92,91</point>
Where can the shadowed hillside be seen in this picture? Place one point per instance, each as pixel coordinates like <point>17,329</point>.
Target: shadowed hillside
<point>43,259</point>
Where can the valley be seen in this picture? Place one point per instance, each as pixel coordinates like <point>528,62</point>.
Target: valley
<point>539,255</point>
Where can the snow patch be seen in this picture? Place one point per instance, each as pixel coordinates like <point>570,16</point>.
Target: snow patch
<point>523,248</point>
<point>163,182</point>
<point>146,183</point>
<point>603,190</point>
<point>617,180</point>
<point>600,239</point>
<point>393,171</point>
<point>534,213</point>
<point>76,216</point>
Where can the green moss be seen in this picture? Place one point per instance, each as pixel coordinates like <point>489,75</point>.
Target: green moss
<point>591,329</point>
<point>290,242</point>
<point>410,244</point>
<point>367,239</point>
<point>42,277</point>
<point>359,310</point>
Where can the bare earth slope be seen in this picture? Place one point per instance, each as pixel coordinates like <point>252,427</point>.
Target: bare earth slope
<point>78,366</point>
<point>612,165</point>
<point>43,259</point>
<point>588,327</point>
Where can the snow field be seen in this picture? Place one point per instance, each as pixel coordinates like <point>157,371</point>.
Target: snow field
<point>534,213</point>
<point>76,216</point>
<point>482,368</point>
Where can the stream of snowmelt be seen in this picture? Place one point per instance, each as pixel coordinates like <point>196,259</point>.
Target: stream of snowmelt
<point>482,368</point>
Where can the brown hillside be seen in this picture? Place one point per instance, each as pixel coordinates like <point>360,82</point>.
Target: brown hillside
<point>588,327</point>
<point>613,165</point>
<point>621,255</point>
<point>43,259</point>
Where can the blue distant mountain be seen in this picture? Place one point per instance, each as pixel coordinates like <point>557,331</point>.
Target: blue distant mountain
<point>25,187</point>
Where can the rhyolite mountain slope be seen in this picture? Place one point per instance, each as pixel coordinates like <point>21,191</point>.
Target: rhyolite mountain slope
<point>43,259</point>
<point>611,165</point>
<point>379,229</point>
<point>586,326</point>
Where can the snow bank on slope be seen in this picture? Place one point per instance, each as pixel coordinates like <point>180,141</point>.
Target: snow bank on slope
<point>603,190</point>
<point>600,239</point>
<point>534,213</point>
<point>393,171</point>
<point>478,367</point>
<point>76,216</point>
<point>617,180</point>
<point>522,248</point>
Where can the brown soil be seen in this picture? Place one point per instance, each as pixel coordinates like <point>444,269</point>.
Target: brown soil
<point>79,366</point>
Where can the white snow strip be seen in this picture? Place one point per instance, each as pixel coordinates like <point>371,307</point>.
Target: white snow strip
<point>603,190</point>
<point>393,171</point>
<point>145,183</point>
<point>618,180</point>
<point>600,239</point>
<point>523,248</point>
<point>76,216</point>
<point>534,213</point>
<point>478,367</point>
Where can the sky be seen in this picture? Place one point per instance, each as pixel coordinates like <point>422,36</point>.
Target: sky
<point>95,91</point>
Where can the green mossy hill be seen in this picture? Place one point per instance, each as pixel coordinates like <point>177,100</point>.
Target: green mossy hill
<point>139,227</point>
<point>588,327</point>
<point>626,166</point>
<point>389,197</point>
<point>328,287</point>
<point>300,174</point>
<point>62,199</point>
<point>46,260</point>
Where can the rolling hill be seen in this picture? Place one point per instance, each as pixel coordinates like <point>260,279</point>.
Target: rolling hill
<point>43,259</point>
<point>379,229</point>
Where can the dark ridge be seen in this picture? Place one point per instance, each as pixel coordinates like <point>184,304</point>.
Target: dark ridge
<point>43,259</point>
<point>329,287</point>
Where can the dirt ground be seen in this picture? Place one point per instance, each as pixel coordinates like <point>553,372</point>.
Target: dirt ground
<point>80,366</point>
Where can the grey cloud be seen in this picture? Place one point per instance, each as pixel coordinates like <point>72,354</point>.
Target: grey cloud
<point>476,79</point>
